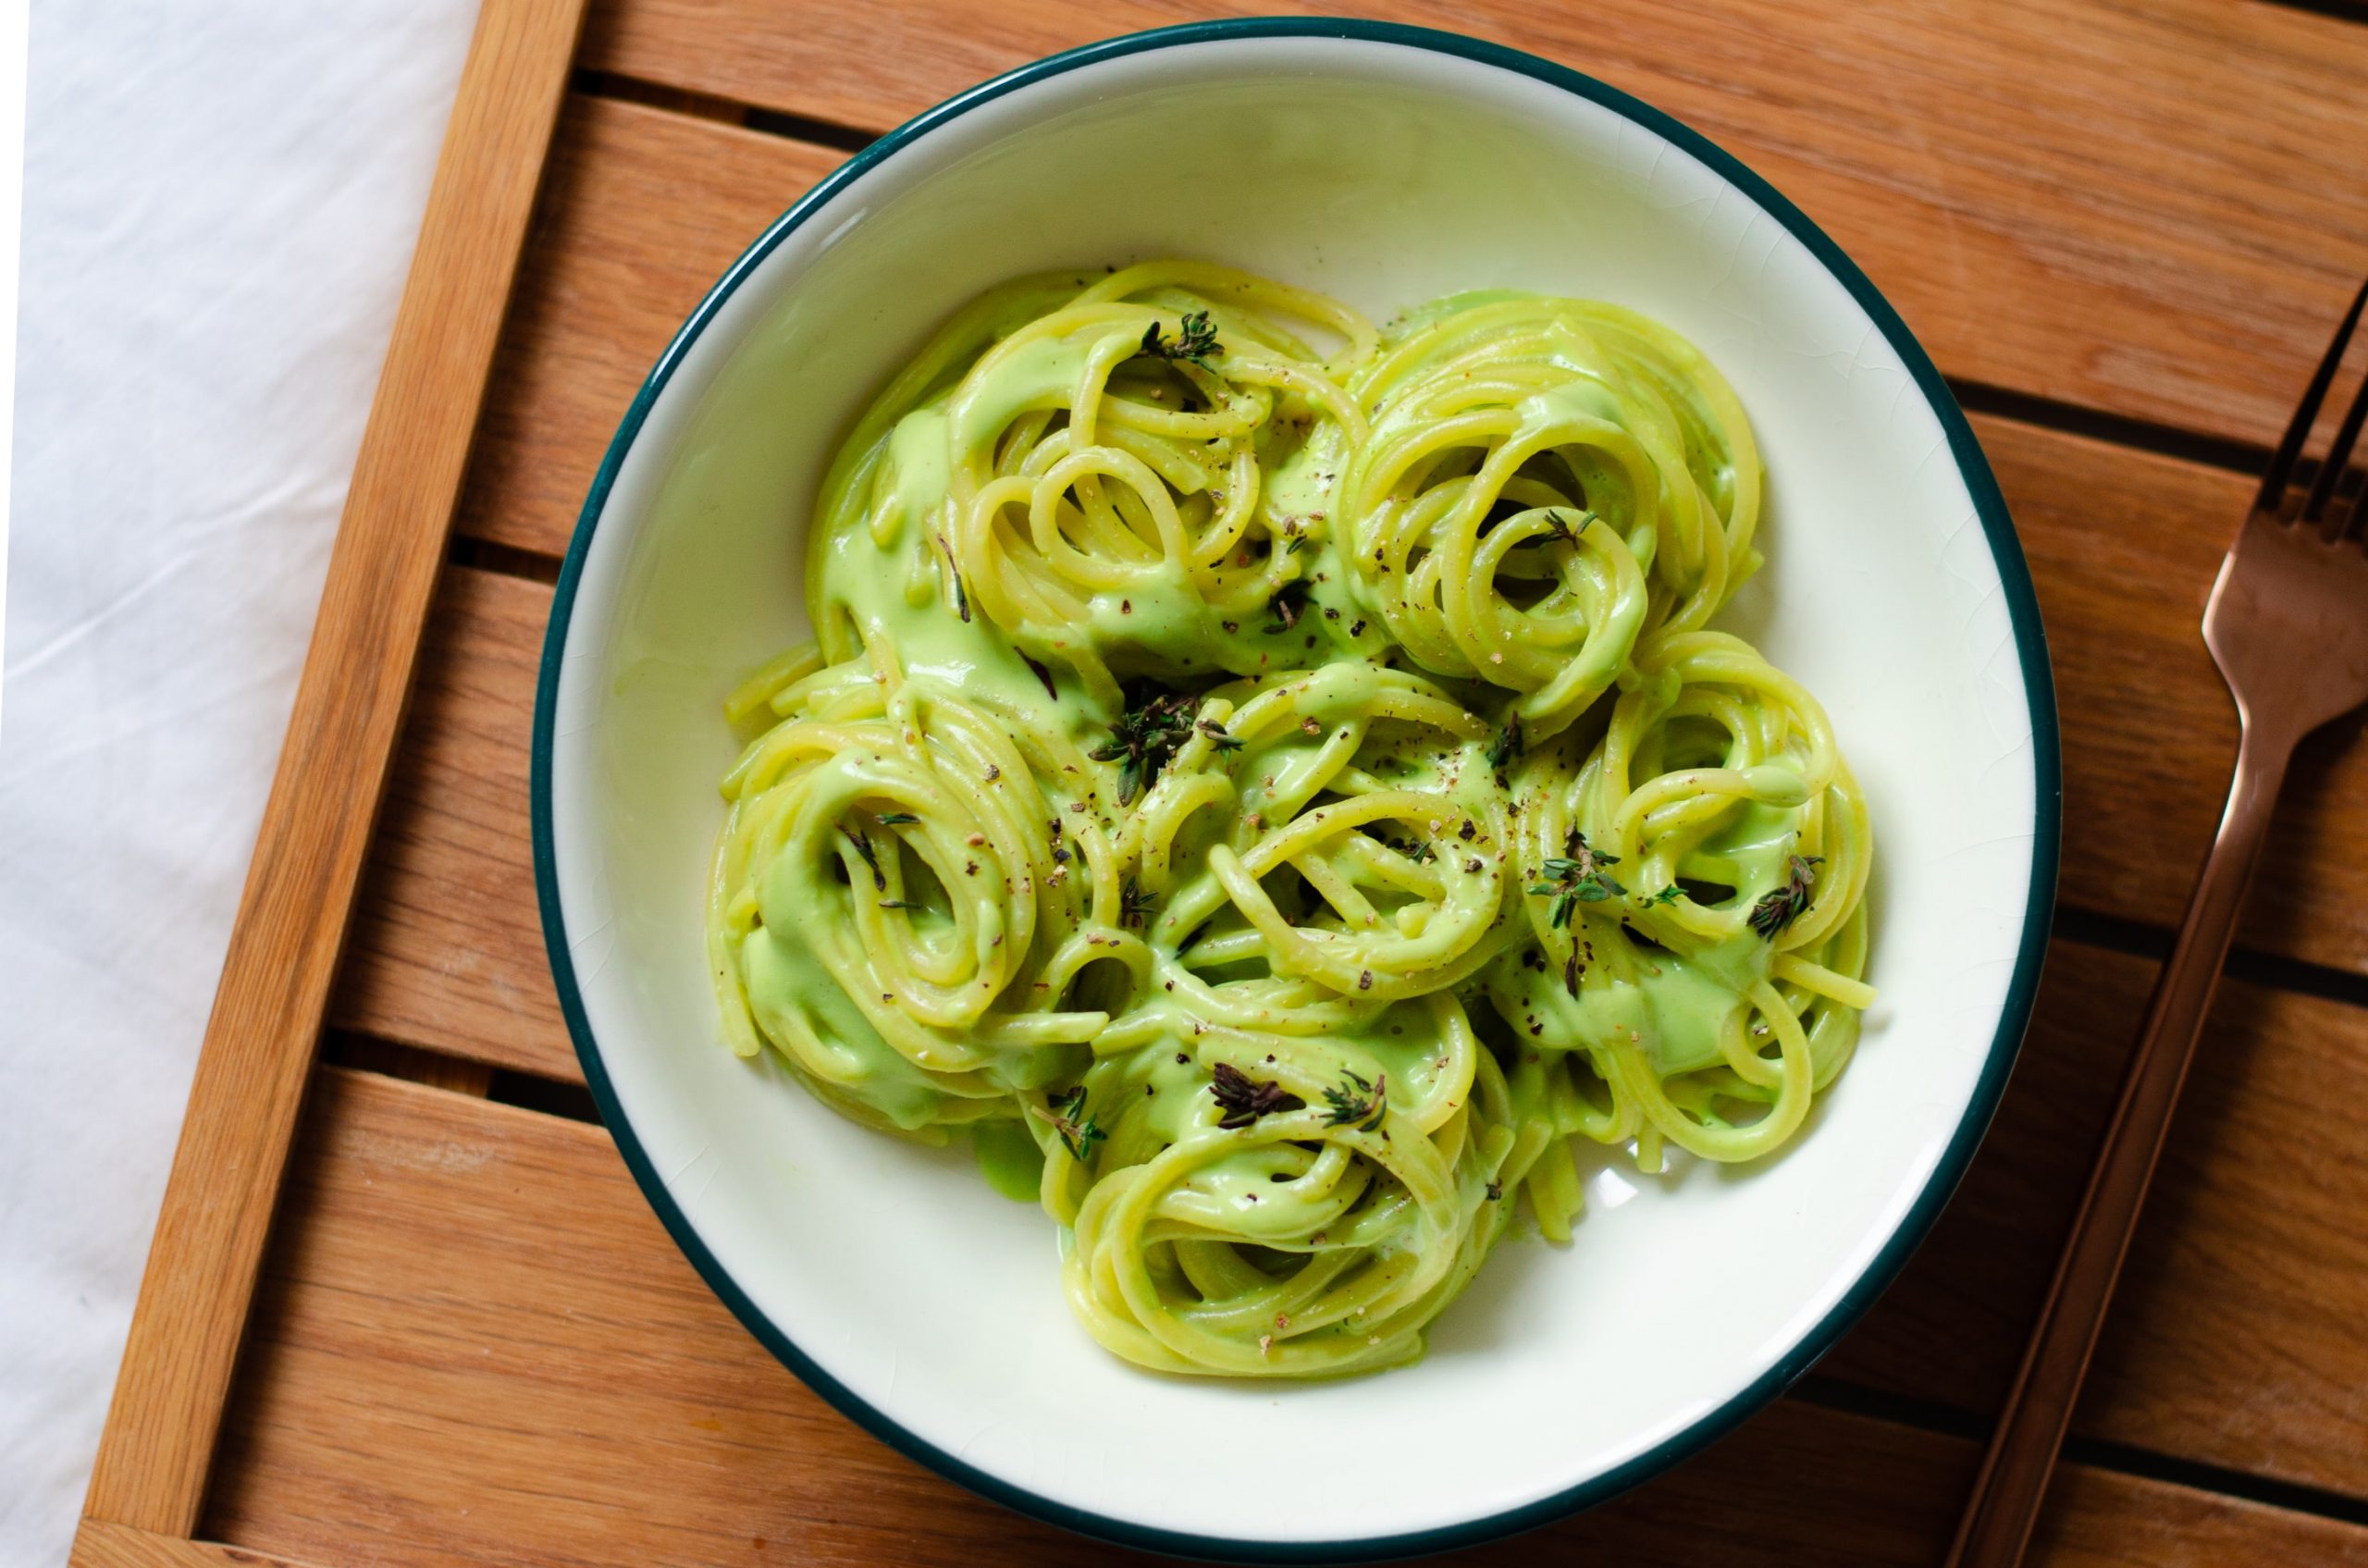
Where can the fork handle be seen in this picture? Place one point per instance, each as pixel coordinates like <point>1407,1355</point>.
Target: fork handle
<point>2013,1479</point>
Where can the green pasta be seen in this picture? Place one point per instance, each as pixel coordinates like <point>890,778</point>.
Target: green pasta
<point>1276,798</point>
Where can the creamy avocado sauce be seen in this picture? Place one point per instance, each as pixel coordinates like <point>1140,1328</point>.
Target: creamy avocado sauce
<point>1224,865</point>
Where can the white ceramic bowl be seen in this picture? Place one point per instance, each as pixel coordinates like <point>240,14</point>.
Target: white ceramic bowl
<point>1386,165</point>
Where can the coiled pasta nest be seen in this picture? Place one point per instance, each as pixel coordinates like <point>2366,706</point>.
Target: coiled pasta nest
<point>1280,778</point>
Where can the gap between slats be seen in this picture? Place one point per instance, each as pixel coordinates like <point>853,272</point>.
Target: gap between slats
<point>2341,10</point>
<point>2272,971</point>
<point>458,1074</point>
<point>1903,1410</point>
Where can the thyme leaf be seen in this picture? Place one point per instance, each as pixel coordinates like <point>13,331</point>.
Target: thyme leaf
<point>863,848</point>
<point>1287,605</point>
<point>1506,744</point>
<point>1219,736</point>
<point>1134,904</point>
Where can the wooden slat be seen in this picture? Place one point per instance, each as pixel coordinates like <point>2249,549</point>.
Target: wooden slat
<point>2123,548</point>
<point>477,1339</point>
<point>642,212</point>
<point>1951,1330</point>
<point>2234,1337</point>
<point>447,950</point>
<point>646,207</point>
<point>99,1544</point>
<point>153,1458</point>
<point>2159,210</point>
<point>2239,1312</point>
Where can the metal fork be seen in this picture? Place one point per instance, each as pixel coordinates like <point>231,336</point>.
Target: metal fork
<point>2287,624</point>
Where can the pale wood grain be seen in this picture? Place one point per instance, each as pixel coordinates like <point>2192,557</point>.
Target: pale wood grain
<point>447,951</point>
<point>2156,209</point>
<point>101,1545</point>
<point>477,1338</point>
<point>153,1457</point>
<point>642,212</point>
<point>2124,547</point>
<point>2093,1521</point>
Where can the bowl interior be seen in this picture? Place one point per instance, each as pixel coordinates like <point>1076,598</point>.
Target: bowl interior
<point>1386,173</point>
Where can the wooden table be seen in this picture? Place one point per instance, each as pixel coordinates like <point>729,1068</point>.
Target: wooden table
<point>406,1306</point>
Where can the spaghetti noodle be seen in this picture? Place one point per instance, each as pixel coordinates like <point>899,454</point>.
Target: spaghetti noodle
<point>1288,792</point>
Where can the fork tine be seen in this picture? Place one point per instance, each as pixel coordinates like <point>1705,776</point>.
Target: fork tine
<point>2306,412</point>
<point>2338,458</point>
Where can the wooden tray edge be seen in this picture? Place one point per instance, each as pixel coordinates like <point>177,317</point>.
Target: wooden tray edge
<point>156,1451</point>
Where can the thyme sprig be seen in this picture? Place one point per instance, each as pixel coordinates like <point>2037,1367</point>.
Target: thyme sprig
<point>1244,1099</point>
<point>954,570</point>
<point>1144,738</point>
<point>1355,1103</point>
<point>1575,879</point>
<point>1780,907</point>
<point>1079,1132</point>
<point>1196,340</point>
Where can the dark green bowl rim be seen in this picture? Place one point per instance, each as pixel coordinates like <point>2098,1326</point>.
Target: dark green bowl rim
<point>2031,643</point>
